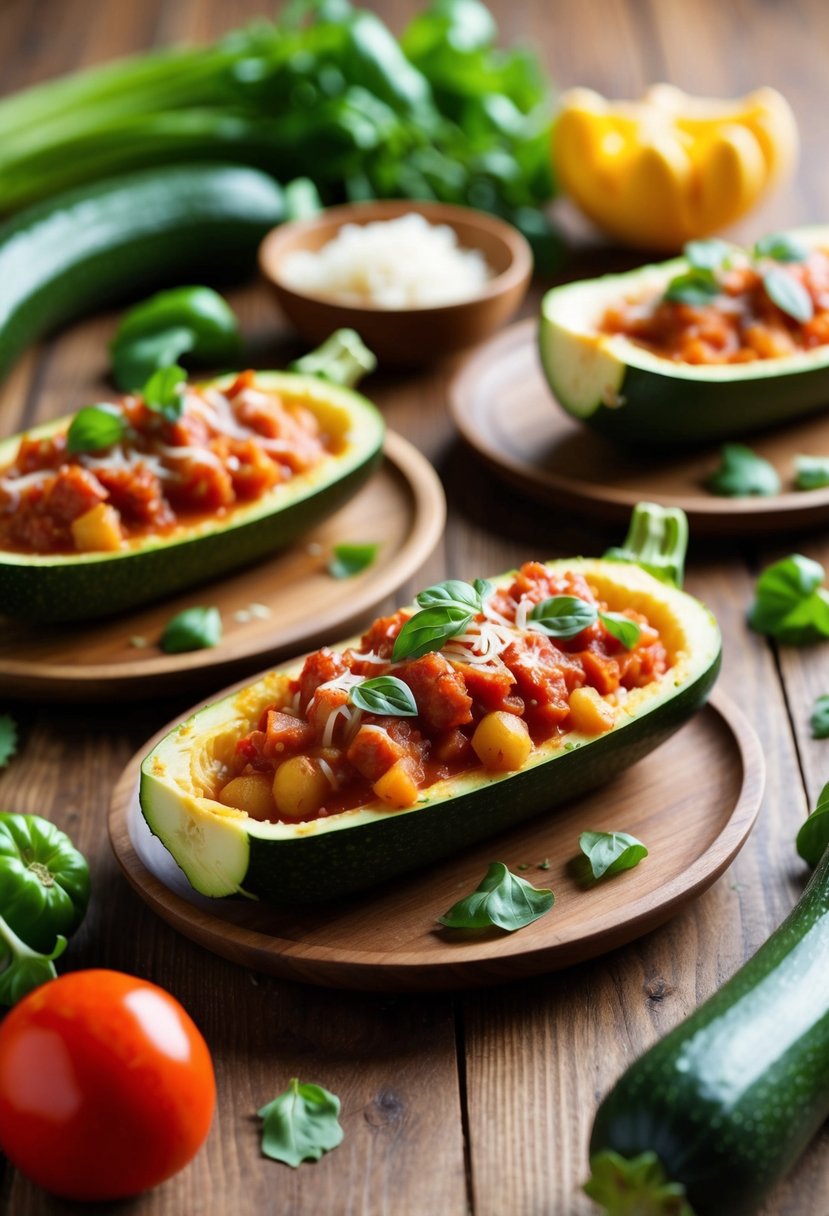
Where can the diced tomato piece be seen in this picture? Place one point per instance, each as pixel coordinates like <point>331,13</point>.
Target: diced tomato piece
<point>320,667</point>
<point>545,677</point>
<point>453,748</point>
<point>381,636</point>
<point>372,752</point>
<point>602,671</point>
<point>202,487</point>
<point>251,470</point>
<point>490,688</point>
<point>136,494</point>
<point>323,704</point>
<point>439,690</point>
<point>35,454</point>
<point>285,734</point>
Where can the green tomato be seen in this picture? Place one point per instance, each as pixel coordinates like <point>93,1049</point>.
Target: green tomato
<point>44,880</point>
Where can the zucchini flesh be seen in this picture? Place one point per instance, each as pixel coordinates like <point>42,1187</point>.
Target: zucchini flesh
<point>99,244</point>
<point>715,1114</point>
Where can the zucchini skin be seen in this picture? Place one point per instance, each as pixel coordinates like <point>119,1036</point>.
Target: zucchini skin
<point>731,1097</point>
<point>94,585</point>
<point>99,244</point>
<point>318,869</point>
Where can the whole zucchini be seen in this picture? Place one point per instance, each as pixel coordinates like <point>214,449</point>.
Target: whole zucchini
<point>224,851</point>
<point>708,1120</point>
<point>105,242</point>
<point>636,396</point>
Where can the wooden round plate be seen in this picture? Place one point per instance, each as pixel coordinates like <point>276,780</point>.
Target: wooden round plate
<point>505,410</point>
<point>692,802</point>
<point>278,607</point>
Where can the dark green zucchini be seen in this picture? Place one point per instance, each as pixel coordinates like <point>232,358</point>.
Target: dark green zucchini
<point>106,242</point>
<point>708,1120</point>
<point>223,851</point>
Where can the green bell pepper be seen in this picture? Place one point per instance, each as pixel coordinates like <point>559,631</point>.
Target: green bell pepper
<point>44,880</point>
<point>195,321</point>
<point>44,890</point>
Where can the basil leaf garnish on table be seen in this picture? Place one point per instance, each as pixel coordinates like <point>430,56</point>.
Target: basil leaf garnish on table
<point>446,610</point>
<point>301,1124</point>
<point>384,695</point>
<point>348,560</point>
<point>164,392</point>
<point>696,287</point>
<point>8,738</point>
<point>790,604</point>
<point>193,629</point>
<point>503,900</point>
<point>742,473</point>
<point>95,427</point>
<point>819,720</point>
<point>813,837</point>
<point>780,247</point>
<point>811,472</point>
<point>790,296</point>
<point>708,255</point>
<point>611,852</point>
<point>563,616</point>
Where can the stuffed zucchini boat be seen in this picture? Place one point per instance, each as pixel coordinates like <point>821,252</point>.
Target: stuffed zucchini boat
<point>132,500</point>
<point>698,349</point>
<point>446,722</point>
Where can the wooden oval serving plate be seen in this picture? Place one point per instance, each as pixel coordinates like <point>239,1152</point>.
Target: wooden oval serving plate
<point>278,607</point>
<point>692,802</point>
<point>505,410</point>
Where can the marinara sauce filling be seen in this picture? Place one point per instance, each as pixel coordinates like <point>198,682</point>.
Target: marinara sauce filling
<point>740,324</point>
<point>486,699</point>
<point>226,448</point>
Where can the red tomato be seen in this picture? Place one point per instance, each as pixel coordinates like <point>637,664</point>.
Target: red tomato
<point>106,1086</point>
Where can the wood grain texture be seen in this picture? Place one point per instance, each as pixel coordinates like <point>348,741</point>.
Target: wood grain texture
<point>479,1104</point>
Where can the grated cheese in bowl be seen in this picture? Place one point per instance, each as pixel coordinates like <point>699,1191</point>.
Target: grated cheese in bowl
<point>394,264</point>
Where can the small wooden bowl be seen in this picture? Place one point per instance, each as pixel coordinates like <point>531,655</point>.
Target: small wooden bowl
<point>407,336</point>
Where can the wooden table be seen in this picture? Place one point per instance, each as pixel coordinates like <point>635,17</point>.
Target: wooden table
<point>470,1102</point>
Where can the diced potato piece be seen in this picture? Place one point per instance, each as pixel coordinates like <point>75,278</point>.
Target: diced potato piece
<point>397,787</point>
<point>502,741</point>
<point>589,713</point>
<point>97,530</point>
<point>300,787</point>
<point>252,793</point>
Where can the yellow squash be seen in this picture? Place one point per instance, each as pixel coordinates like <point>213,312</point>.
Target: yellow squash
<point>664,170</point>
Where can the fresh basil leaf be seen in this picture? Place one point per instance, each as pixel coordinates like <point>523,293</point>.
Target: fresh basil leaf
<point>453,591</point>
<point>8,739</point>
<point>135,360</point>
<point>813,837</point>
<point>484,589</point>
<point>611,852</point>
<point>429,629</point>
<point>811,472</point>
<point>563,616</point>
<point>384,695</point>
<point>622,628</point>
<point>790,296</point>
<point>301,1124</point>
<point>95,427</point>
<point>819,721</point>
<point>696,287</point>
<point>502,899</point>
<point>743,473</point>
<point>708,255</point>
<point>781,248</point>
<point>164,392</point>
<point>348,560</point>
<point>193,629</point>
<point>790,603</point>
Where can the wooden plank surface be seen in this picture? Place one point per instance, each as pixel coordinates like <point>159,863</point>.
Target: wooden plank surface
<point>482,1102</point>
